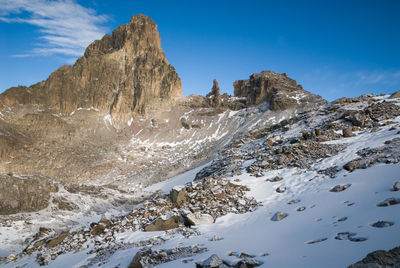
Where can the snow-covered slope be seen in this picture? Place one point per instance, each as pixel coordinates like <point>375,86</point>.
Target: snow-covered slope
<point>315,214</point>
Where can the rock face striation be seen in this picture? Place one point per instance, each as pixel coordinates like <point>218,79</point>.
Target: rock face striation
<point>280,91</point>
<point>123,73</point>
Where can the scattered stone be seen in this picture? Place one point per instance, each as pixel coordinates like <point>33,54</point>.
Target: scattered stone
<point>317,240</point>
<point>215,238</point>
<point>293,201</point>
<point>149,257</point>
<point>57,240</point>
<point>275,179</point>
<point>178,195</point>
<point>382,224</point>
<point>349,236</point>
<point>330,172</point>
<point>245,255</point>
<point>340,188</point>
<point>99,228</point>
<point>318,132</point>
<point>389,202</point>
<point>357,120</point>
<point>259,175</point>
<point>352,165</point>
<point>348,132</point>
<point>280,189</point>
<point>396,186</point>
<point>164,223</point>
<point>212,262</point>
<point>278,216</point>
<point>199,219</point>
<point>388,154</point>
<point>245,263</point>
<point>185,123</point>
<point>380,258</point>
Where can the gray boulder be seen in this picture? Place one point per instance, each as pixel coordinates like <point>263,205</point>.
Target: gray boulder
<point>163,223</point>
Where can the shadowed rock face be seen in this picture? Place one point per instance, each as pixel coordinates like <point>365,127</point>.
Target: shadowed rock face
<point>122,74</point>
<point>24,194</point>
<point>280,91</point>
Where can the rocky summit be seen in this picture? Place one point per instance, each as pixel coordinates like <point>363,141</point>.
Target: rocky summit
<point>124,73</point>
<point>280,91</point>
<point>107,164</point>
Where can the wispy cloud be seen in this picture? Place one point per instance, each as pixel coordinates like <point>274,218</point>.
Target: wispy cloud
<point>376,77</point>
<point>65,27</point>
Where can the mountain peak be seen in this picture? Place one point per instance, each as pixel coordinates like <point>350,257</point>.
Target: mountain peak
<point>122,74</point>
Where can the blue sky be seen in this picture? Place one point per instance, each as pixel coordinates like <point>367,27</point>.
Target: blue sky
<point>333,48</point>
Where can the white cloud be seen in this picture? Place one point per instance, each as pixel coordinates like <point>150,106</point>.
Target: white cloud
<point>65,27</point>
<point>385,77</point>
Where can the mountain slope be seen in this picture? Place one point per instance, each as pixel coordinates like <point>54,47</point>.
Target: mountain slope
<point>294,183</point>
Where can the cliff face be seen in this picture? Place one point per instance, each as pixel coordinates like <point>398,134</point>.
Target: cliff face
<point>280,91</point>
<point>122,74</point>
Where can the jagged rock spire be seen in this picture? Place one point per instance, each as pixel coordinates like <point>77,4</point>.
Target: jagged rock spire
<point>122,74</point>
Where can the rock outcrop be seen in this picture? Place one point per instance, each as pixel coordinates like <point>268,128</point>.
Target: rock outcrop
<point>214,97</point>
<point>380,258</point>
<point>280,91</point>
<point>24,194</point>
<point>122,74</point>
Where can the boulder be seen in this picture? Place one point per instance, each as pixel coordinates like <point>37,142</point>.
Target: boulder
<point>382,224</point>
<point>199,219</point>
<point>357,120</point>
<point>185,123</point>
<point>163,223</point>
<point>280,189</point>
<point>212,262</point>
<point>178,195</point>
<point>137,261</point>
<point>318,131</point>
<point>275,179</point>
<point>389,202</point>
<point>340,188</point>
<point>99,228</point>
<point>348,132</point>
<point>57,240</point>
<point>246,263</point>
<point>352,165</point>
<point>278,216</point>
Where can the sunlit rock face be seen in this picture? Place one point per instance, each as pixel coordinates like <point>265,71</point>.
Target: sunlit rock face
<point>124,73</point>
